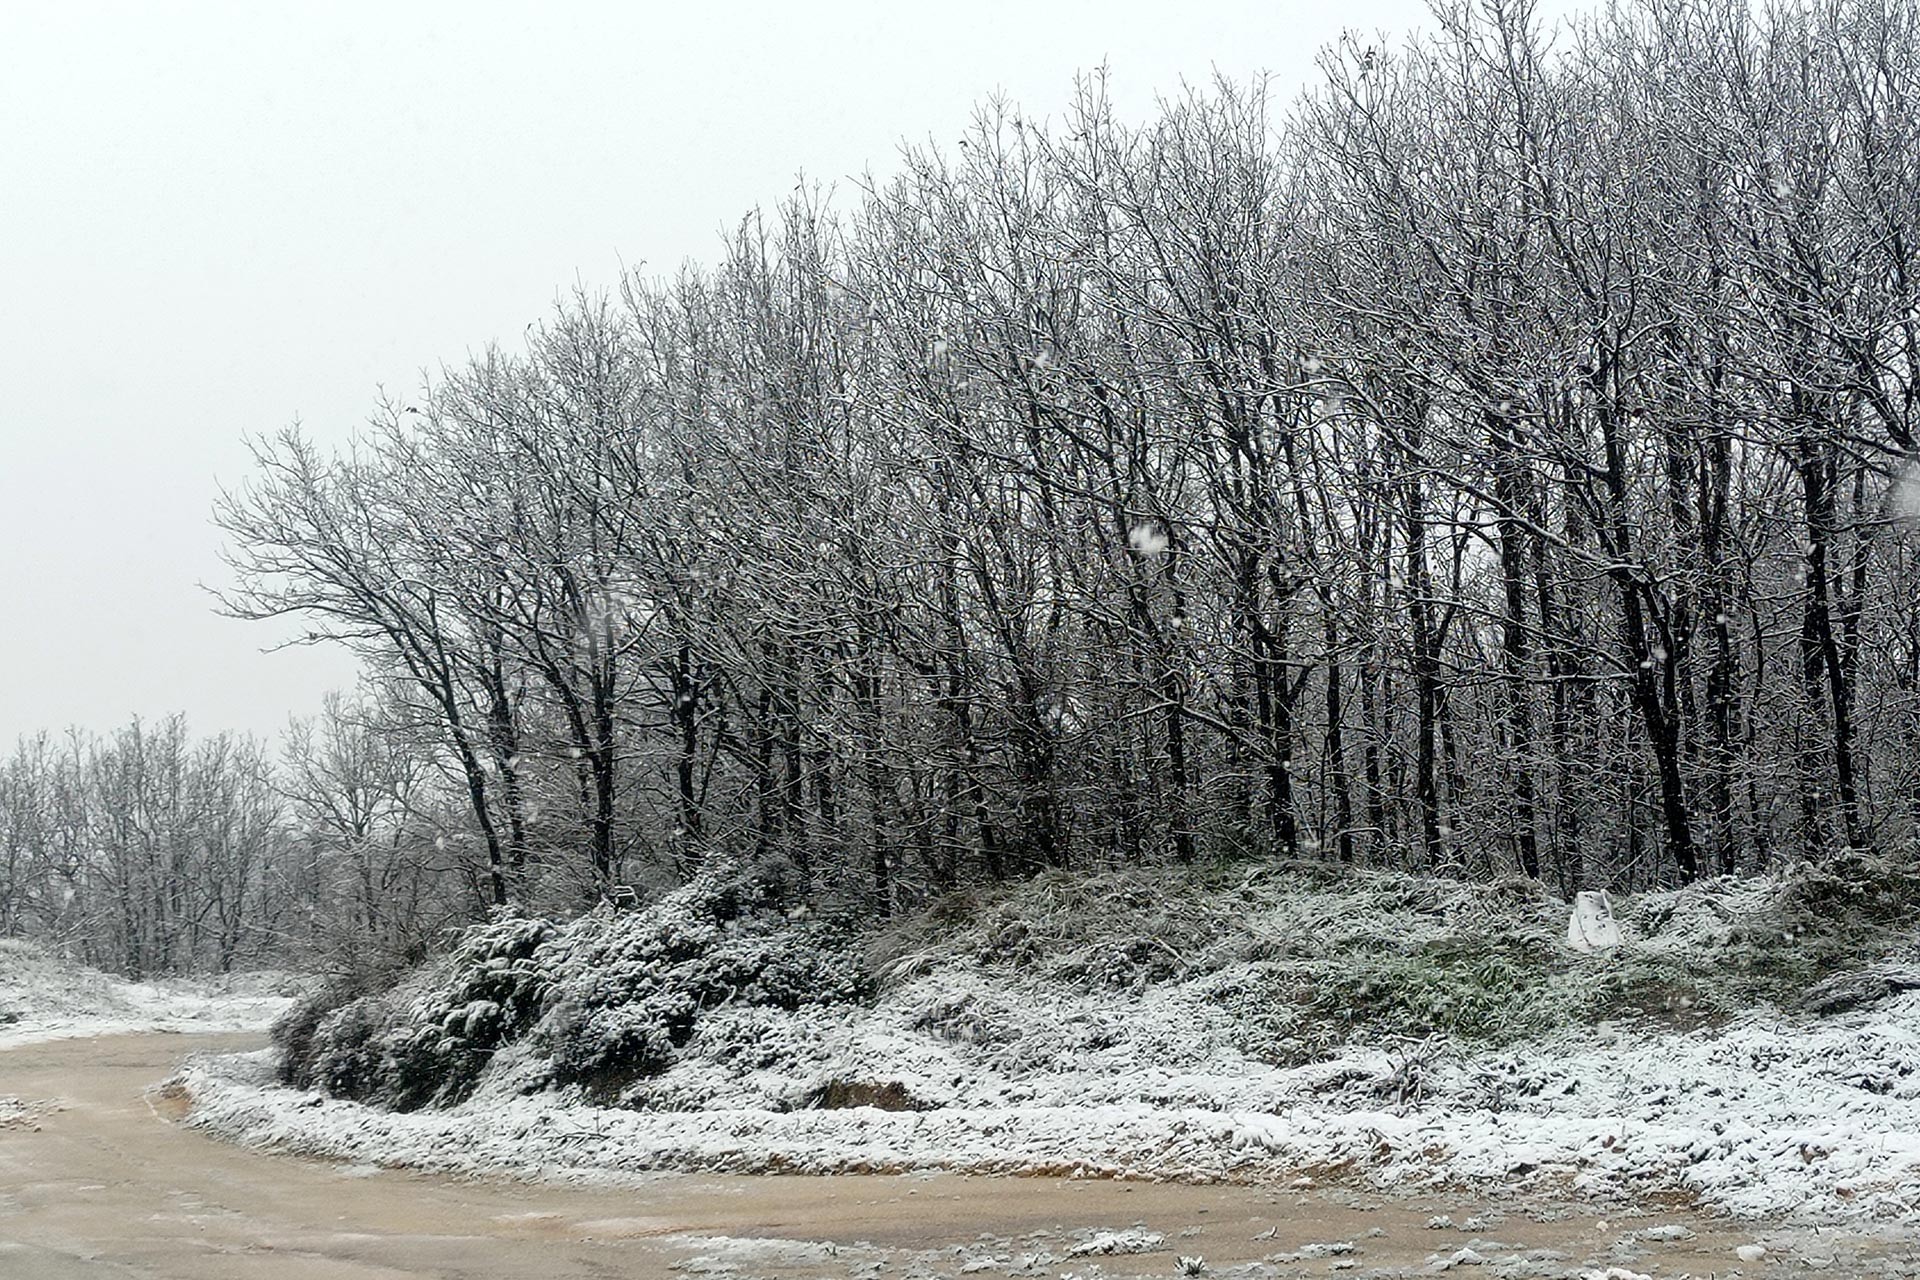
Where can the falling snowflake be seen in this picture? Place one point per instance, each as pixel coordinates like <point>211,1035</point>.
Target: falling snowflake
<point>1147,539</point>
<point>1906,494</point>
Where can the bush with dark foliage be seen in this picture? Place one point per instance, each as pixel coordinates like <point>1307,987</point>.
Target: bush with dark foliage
<point>633,987</point>
<point>608,998</point>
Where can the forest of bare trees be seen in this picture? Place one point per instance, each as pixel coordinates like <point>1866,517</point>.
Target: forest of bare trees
<point>152,852</point>
<point>145,852</point>
<point>1499,460</point>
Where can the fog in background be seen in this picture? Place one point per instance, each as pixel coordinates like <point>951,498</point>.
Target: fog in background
<point>218,219</point>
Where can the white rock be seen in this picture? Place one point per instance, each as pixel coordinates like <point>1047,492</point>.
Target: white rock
<point>1591,927</point>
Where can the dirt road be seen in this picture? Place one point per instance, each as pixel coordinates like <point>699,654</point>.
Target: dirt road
<point>98,1181</point>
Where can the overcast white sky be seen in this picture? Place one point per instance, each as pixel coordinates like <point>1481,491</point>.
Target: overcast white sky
<point>215,219</point>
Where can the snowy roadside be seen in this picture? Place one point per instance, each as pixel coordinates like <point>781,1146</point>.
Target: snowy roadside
<point>43,998</point>
<point>1814,1120</point>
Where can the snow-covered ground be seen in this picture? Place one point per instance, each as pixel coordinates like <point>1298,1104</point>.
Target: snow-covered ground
<point>45,998</point>
<point>1045,1064</point>
<point>1811,1119</point>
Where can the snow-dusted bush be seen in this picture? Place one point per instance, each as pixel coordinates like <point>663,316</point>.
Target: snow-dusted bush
<point>428,1040</point>
<point>608,999</point>
<point>345,1051</point>
<point>1854,885</point>
<point>296,1033</point>
<point>632,988</point>
<point>494,987</point>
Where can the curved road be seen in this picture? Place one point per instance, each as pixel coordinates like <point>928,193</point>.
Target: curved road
<point>99,1181</point>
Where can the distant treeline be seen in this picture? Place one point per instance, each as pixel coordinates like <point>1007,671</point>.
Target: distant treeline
<point>152,852</point>
<point>1502,460</point>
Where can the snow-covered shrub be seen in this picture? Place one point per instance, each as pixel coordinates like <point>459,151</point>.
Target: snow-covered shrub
<point>612,996</point>
<point>16,955</point>
<point>296,1032</point>
<point>427,1040</point>
<point>632,988</point>
<point>346,1056</point>
<point>494,987</point>
<point>1852,884</point>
